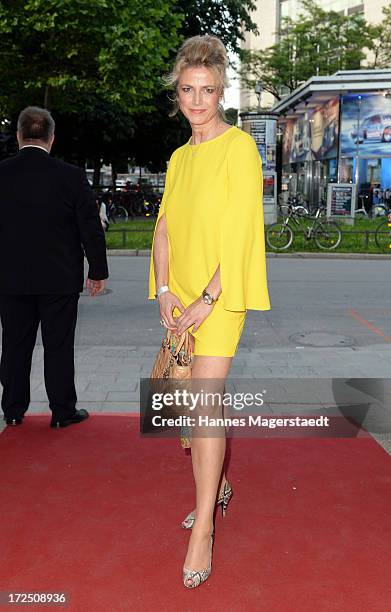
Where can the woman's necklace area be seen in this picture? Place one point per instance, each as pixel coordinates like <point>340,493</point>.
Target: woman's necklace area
<point>196,147</point>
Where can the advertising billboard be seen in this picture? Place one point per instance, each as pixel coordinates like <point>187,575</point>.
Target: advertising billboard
<point>287,128</point>
<point>312,136</point>
<point>263,128</point>
<point>296,141</point>
<point>341,198</point>
<point>324,130</point>
<point>366,125</point>
<point>301,140</point>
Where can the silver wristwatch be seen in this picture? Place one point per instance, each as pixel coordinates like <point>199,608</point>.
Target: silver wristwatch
<point>208,298</point>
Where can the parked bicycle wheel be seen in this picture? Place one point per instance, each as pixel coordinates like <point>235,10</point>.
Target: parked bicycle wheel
<point>302,211</point>
<point>327,235</point>
<point>279,236</point>
<point>121,214</point>
<point>383,236</point>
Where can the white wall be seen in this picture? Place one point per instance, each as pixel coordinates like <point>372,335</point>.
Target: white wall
<point>373,10</point>
<point>266,17</point>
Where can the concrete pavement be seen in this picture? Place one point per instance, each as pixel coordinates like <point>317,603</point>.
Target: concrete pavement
<point>330,318</point>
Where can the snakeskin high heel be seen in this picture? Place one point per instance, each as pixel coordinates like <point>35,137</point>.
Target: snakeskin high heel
<point>223,501</point>
<point>197,577</point>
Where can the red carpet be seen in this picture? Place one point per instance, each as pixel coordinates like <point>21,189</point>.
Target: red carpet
<point>93,510</point>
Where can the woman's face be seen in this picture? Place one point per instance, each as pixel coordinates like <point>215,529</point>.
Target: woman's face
<point>199,93</point>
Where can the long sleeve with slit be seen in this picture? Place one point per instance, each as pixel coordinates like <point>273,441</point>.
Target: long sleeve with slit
<point>162,210</point>
<point>214,215</point>
<point>242,253</point>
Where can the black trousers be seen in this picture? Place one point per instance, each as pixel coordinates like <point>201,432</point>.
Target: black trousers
<point>20,318</point>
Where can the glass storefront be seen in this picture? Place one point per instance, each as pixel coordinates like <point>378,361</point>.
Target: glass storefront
<point>346,140</point>
<point>310,145</point>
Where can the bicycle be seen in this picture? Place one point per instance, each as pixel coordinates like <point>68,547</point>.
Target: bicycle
<point>326,234</point>
<point>383,235</point>
<point>370,211</point>
<point>298,204</point>
<point>117,213</point>
<point>142,202</point>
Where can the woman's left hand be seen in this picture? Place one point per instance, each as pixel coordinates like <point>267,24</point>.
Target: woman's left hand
<point>195,314</point>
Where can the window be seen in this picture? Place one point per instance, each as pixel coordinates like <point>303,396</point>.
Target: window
<point>356,9</point>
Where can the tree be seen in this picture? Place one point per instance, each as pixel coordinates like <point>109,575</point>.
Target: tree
<point>101,136</point>
<point>97,65</point>
<point>65,53</point>
<point>226,19</point>
<point>381,42</point>
<point>317,42</point>
<point>95,59</point>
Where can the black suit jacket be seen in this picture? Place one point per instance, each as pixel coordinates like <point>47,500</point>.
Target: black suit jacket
<point>48,220</point>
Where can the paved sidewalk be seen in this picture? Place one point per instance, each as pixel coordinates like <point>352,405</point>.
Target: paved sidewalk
<point>118,335</point>
<point>108,377</point>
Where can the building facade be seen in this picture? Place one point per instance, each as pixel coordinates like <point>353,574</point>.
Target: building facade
<point>268,17</point>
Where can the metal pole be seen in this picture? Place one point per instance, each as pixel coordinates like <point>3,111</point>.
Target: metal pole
<point>357,173</point>
<point>258,91</point>
<point>339,139</point>
<point>318,55</point>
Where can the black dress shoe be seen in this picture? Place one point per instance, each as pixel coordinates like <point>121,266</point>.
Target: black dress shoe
<point>80,415</point>
<point>13,420</point>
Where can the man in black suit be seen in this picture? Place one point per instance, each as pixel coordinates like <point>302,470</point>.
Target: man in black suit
<point>48,221</point>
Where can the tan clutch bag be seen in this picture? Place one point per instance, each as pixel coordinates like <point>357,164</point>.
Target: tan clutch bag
<point>175,357</point>
<point>174,360</point>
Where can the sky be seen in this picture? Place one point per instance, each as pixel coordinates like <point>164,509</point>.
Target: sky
<point>231,94</point>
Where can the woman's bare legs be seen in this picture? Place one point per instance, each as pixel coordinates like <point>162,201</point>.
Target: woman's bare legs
<point>207,458</point>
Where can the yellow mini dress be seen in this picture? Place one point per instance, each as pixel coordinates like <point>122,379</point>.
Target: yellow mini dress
<point>214,214</point>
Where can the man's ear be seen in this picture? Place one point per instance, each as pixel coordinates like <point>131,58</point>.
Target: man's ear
<point>51,142</point>
<point>18,137</point>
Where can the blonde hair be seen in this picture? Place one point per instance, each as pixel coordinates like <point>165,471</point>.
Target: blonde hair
<point>207,51</point>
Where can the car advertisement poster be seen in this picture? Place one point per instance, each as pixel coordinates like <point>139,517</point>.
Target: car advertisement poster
<point>366,125</point>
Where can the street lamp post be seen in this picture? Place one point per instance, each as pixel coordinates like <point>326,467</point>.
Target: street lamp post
<point>258,91</point>
<point>357,172</point>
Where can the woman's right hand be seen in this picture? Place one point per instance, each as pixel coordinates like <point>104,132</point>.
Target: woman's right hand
<point>167,302</point>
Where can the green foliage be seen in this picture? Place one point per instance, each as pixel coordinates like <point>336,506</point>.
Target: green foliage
<point>156,135</point>
<point>66,53</point>
<point>227,19</point>
<point>381,41</point>
<point>97,65</point>
<point>351,242</point>
<point>317,42</point>
<point>99,135</point>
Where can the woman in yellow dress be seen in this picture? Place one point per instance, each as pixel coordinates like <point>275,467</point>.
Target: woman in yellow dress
<point>208,263</point>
